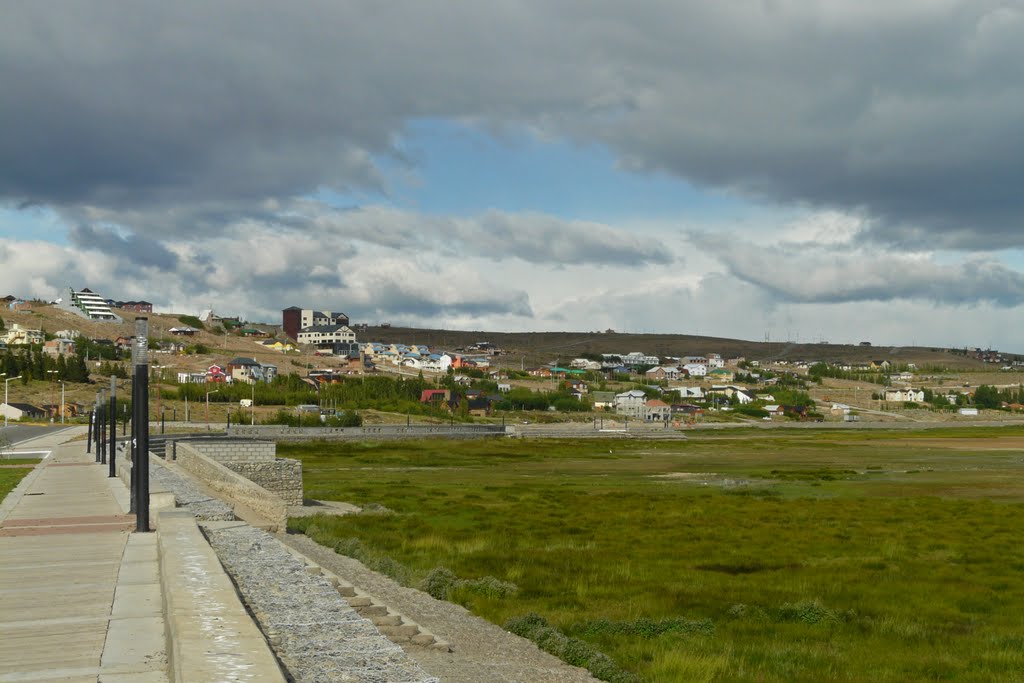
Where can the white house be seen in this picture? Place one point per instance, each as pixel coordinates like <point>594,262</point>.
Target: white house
<point>630,403</point>
<point>22,335</point>
<point>715,361</point>
<point>639,358</point>
<point>911,395</point>
<point>17,411</point>
<point>696,369</point>
<point>690,392</point>
<point>326,335</point>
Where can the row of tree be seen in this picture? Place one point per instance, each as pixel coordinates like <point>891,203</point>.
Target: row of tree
<point>32,364</point>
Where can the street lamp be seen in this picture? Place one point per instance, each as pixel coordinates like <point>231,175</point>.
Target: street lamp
<point>7,406</point>
<point>62,401</point>
<point>208,406</point>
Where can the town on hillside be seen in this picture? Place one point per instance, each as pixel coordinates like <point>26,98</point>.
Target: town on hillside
<point>312,356</point>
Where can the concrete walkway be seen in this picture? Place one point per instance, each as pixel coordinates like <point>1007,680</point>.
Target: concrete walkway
<point>80,595</point>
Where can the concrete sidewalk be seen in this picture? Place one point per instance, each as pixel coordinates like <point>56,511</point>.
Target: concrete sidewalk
<point>80,596</point>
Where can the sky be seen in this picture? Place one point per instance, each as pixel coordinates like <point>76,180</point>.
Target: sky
<point>834,171</point>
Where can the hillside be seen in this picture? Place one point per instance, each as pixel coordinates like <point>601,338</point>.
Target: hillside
<point>532,348</point>
<point>520,348</point>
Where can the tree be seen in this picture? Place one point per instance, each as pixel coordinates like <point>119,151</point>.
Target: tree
<point>987,397</point>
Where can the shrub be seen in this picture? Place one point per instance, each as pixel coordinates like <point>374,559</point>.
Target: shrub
<point>806,611</point>
<point>570,650</point>
<point>352,547</point>
<point>439,582</point>
<point>489,587</point>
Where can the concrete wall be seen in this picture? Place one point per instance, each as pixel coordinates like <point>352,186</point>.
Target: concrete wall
<point>281,433</point>
<point>232,487</point>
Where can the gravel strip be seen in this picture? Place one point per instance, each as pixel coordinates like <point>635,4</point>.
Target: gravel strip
<point>314,632</point>
<point>482,652</point>
<point>187,495</point>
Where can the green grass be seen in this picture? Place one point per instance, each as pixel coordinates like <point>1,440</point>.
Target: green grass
<point>789,556</point>
<point>10,476</point>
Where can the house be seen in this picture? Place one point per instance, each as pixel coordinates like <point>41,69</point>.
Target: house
<point>634,358</point>
<point>603,400</point>
<point>295,319</point>
<point>630,403</point>
<point>326,335</point>
<point>715,361</point>
<point>840,409</point>
<point>662,373</point>
<point>22,335</point>
<point>435,396</point>
<point>656,411</point>
<point>879,365</point>
<point>504,387</point>
<point>21,411</point>
<point>689,392</point>
<point>795,411</point>
<point>479,406</point>
<point>183,331</point>
<point>216,375</point>
<point>695,369</point>
<point>774,410</point>
<point>135,306</point>
<point>905,395</point>
<point>577,385</point>
<point>249,370</point>
<point>59,347</point>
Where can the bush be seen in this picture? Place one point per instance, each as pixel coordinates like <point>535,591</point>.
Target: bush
<point>806,612</point>
<point>439,582</point>
<point>488,587</point>
<point>570,650</point>
<point>752,411</point>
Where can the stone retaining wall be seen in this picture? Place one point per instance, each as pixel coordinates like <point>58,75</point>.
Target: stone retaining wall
<point>232,486</point>
<point>282,476</point>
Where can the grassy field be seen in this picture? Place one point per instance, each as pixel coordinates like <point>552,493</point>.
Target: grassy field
<point>13,473</point>
<point>881,556</point>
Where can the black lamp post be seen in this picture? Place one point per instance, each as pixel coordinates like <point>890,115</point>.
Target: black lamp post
<point>140,422</point>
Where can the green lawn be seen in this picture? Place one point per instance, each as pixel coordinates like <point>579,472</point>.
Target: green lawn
<point>10,476</point>
<point>783,556</point>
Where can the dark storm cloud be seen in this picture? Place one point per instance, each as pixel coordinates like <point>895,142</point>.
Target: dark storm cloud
<point>133,250</point>
<point>910,112</point>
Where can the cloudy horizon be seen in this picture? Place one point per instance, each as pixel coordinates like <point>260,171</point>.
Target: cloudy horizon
<point>831,170</point>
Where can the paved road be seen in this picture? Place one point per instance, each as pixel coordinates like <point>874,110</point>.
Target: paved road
<point>15,434</point>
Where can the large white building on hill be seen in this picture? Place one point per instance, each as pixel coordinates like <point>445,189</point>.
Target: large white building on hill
<point>87,304</point>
